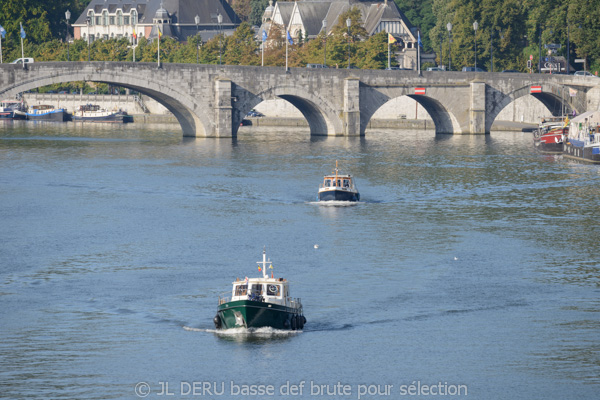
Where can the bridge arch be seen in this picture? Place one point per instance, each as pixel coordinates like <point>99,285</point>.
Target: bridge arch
<point>319,113</point>
<point>191,117</point>
<point>552,96</point>
<point>444,120</point>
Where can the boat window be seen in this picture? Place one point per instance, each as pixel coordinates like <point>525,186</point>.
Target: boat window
<point>241,290</point>
<point>346,183</point>
<point>339,183</point>
<point>273,290</point>
<point>257,289</point>
<point>327,182</point>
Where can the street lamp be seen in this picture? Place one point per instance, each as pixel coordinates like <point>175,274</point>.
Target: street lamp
<point>220,20</point>
<point>348,23</point>
<point>475,26</point>
<point>449,27</point>
<point>87,20</point>
<point>324,28</point>
<point>197,20</point>
<point>68,17</point>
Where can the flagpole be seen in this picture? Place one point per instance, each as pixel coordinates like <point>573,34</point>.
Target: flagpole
<point>22,51</point>
<point>262,63</point>
<point>158,47</point>
<point>419,52</point>
<point>0,49</point>
<point>389,54</point>
<point>286,54</point>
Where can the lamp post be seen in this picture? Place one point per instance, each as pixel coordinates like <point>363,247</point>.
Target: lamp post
<point>220,20</point>
<point>348,23</point>
<point>68,17</point>
<point>324,28</point>
<point>449,27</point>
<point>197,20</point>
<point>540,56</point>
<point>475,26</point>
<point>87,20</point>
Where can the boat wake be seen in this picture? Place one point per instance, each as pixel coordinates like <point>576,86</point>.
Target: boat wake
<point>247,334</point>
<point>335,203</point>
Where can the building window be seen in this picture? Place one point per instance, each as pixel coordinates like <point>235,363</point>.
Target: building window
<point>134,17</point>
<point>105,18</point>
<point>119,18</point>
<point>126,20</point>
<point>91,15</point>
<point>111,20</point>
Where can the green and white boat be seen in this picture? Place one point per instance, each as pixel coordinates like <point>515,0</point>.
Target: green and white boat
<point>260,302</point>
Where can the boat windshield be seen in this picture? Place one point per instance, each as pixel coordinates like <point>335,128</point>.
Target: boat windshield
<point>273,290</point>
<point>346,183</point>
<point>327,182</point>
<point>257,289</point>
<point>241,290</point>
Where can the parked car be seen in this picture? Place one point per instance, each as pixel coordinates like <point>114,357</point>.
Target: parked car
<point>472,69</point>
<point>316,66</point>
<point>20,60</point>
<point>254,113</point>
<point>583,73</point>
<point>435,69</point>
<point>510,70</point>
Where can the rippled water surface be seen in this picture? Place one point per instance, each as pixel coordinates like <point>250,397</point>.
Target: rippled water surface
<point>470,262</point>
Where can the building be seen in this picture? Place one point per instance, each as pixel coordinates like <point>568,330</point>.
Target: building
<point>309,17</point>
<point>179,19</point>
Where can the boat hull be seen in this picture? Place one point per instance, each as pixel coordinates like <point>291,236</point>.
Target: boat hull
<point>576,150</point>
<point>12,115</point>
<point>115,118</point>
<point>338,195</point>
<point>56,116</point>
<point>257,314</point>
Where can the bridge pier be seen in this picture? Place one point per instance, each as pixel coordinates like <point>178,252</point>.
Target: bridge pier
<point>223,127</point>
<point>477,109</point>
<point>351,107</point>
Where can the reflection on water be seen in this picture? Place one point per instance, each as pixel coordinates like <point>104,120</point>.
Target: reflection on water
<point>470,259</point>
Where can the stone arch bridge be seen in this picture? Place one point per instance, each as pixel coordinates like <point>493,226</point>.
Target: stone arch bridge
<point>212,100</point>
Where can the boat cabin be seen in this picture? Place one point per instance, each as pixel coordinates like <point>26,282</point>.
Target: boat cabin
<point>269,290</point>
<point>338,181</point>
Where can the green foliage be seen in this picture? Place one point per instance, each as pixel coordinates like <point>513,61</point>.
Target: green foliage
<point>511,29</point>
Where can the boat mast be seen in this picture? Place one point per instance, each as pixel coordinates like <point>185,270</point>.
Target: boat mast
<point>264,264</point>
<point>336,173</point>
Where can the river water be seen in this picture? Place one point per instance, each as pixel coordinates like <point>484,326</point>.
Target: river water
<point>469,268</point>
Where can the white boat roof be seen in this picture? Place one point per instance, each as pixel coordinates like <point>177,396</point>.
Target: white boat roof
<point>584,116</point>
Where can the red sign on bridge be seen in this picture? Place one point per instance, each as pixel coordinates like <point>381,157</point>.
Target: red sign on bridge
<point>536,89</point>
<point>420,90</point>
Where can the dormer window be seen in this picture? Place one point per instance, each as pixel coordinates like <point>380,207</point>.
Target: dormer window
<point>119,18</point>
<point>134,17</point>
<point>91,15</point>
<point>105,18</point>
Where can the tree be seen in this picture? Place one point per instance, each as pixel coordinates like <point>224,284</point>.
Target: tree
<point>242,48</point>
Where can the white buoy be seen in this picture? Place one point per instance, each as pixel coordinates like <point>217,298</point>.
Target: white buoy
<point>455,258</point>
<point>316,246</point>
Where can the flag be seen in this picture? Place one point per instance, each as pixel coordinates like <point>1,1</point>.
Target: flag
<point>289,38</point>
<point>134,34</point>
<point>259,269</point>
<point>159,32</point>
<point>391,39</point>
<point>419,38</point>
<point>264,36</point>
<point>2,32</point>
<point>22,31</point>
<point>246,280</point>
<point>271,266</point>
